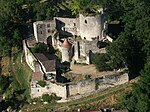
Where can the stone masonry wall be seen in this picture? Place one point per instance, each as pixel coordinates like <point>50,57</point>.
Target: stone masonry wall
<point>75,89</point>
<point>38,91</point>
<point>101,83</point>
<point>30,59</point>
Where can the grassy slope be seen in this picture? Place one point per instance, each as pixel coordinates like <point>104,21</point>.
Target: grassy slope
<point>22,73</point>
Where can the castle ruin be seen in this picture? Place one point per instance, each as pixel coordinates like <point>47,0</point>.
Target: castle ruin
<point>76,39</point>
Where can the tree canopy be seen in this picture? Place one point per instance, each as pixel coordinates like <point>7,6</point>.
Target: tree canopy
<point>132,47</point>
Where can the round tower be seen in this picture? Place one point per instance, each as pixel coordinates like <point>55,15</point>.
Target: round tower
<point>91,27</point>
<point>66,50</point>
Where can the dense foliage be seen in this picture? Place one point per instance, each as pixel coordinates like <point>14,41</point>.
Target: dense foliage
<point>100,61</point>
<point>39,48</point>
<point>4,83</point>
<point>50,98</point>
<point>138,99</point>
<point>132,48</point>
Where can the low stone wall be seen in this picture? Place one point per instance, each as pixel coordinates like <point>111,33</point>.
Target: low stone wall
<point>29,56</point>
<point>80,88</point>
<point>101,83</point>
<point>116,79</point>
<point>38,91</point>
<point>58,89</point>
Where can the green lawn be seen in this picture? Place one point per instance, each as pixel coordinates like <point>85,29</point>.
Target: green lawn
<point>22,74</point>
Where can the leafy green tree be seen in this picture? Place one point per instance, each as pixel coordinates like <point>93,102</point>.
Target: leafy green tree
<point>85,6</point>
<point>115,9</point>
<point>17,38</point>
<point>138,99</point>
<point>45,10</point>
<point>131,47</point>
<point>39,48</point>
<point>100,61</point>
<point>50,98</point>
<point>11,16</point>
<point>4,83</point>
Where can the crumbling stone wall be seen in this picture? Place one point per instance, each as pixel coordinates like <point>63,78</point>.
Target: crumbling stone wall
<point>38,91</point>
<point>43,29</point>
<point>90,27</point>
<point>66,26</point>
<point>30,59</point>
<point>79,88</point>
<point>101,83</point>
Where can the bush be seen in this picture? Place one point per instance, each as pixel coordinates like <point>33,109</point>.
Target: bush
<point>47,98</point>
<point>42,83</point>
<point>50,98</point>
<point>39,48</point>
<point>100,61</point>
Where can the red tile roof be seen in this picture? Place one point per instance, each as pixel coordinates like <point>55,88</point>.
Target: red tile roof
<point>66,44</point>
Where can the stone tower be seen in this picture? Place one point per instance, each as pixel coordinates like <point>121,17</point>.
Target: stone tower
<point>91,27</point>
<point>66,50</point>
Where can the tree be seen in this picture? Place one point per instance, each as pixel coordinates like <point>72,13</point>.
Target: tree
<point>17,38</point>
<point>11,16</point>
<point>100,61</point>
<point>115,9</point>
<point>4,83</point>
<point>138,99</point>
<point>85,6</point>
<point>45,10</point>
<point>39,48</point>
<point>132,42</point>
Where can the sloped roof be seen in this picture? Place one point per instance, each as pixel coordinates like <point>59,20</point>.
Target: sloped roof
<point>65,44</point>
<point>44,56</point>
<point>47,60</point>
<point>36,76</point>
<point>41,57</point>
<point>49,65</point>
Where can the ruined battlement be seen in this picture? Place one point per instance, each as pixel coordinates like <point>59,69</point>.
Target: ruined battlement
<point>79,88</point>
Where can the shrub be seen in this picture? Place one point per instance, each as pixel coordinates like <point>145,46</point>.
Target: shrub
<point>39,48</point>
<point>47,98</point>
<point>42,83</point>
<point>100,61</point>
<point>50,98</point>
